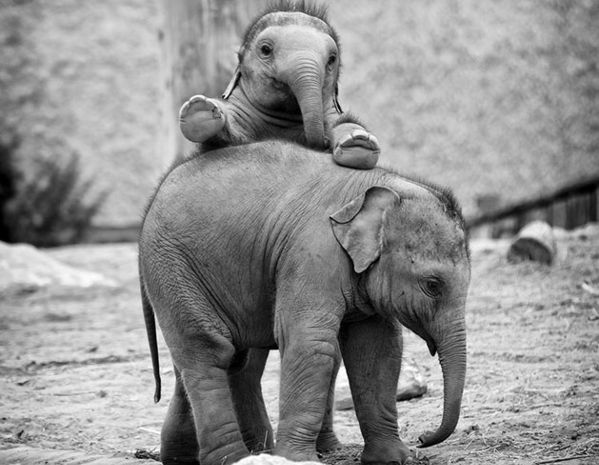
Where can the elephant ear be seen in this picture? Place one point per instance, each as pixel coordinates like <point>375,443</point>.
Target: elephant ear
<point>358,226</point>
<point>233,83</point>
<point>336,100</point>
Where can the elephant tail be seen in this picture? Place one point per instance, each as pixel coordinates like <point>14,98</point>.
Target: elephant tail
<point>151,332</point>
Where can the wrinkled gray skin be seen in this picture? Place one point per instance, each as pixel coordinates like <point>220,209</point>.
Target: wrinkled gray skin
<point>321,261</point>
<point>285,86</point>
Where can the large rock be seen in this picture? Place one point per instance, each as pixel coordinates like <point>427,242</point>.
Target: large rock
<point>535,242</point>
<point>411,384</point>
<point>25,268</point>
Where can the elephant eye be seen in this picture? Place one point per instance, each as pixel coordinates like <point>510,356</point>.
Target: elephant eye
<point>332,60</point>
<point>432,287</point>
<point>266,50</point>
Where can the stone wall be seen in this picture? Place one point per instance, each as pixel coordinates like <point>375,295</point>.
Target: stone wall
<point>495,99</point>
<point>80,76</point>
<point>498,99</point>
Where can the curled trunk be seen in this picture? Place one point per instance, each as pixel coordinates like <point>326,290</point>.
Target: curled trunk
<point>452,357</point>
<point>306,84</point>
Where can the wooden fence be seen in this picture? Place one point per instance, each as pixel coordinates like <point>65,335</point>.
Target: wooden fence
<point>567,207</point>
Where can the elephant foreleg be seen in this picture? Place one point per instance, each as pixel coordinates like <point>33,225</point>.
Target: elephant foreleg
<point>201,117</point>
<point>327,439</point>
<point>353,145</point>
<point>306,371</point>
<point>372,351</point>
<point>249,403</point>
<point>306,332</point>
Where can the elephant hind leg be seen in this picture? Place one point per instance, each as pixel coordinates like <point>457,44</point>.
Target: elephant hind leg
<point>251,411</point>
<point>249,403</point>
<point>179,443</point>
<point>204,360</point>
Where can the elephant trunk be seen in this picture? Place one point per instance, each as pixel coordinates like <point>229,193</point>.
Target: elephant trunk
<point>452,357</point>
<point>306,84</point>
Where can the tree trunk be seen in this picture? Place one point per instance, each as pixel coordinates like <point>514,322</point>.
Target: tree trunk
<point>199,42</point>
<point>534,242</point>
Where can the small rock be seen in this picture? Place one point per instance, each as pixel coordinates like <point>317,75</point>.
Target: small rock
<point>146,454</point>
<point>472,429</point>
<point>593,290</point>
<point>344,404</point>
<point>57,317</point>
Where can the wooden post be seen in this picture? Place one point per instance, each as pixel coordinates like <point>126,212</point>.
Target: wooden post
<point>199,41</point>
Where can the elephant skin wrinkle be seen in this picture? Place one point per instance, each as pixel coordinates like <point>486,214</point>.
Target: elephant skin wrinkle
<point>272,244</point>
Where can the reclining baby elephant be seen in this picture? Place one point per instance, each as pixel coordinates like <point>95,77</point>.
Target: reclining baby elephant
<point>321,261</point>
<point>285,86</point>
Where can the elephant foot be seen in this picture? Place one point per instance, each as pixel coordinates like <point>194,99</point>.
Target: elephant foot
<point>297,454</point>
<point>178,438</point>
<point>327,442</point>
<point>396,452</point>
<point>355,147</point>
<point>174,457</point>
<point>255,445</point>
<point>172,453</point>
<point>200,118</point>
<point>179,461</point>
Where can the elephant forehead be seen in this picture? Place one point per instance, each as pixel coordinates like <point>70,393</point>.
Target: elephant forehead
<point>298,36</point>
<point>286,19</point>
<point>424,231</point>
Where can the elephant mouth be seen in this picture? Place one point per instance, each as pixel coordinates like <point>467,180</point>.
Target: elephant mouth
<point>285,100</point>
<point>430,342</point>
<point>432,347</point>
<point>279,85</point>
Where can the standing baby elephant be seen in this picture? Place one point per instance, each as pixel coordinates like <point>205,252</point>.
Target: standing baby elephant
<point>321,261</point>
<point>285,86</point>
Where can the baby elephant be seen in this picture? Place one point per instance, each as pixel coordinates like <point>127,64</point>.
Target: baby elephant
<point>320,261</point>
<point>285,86</point>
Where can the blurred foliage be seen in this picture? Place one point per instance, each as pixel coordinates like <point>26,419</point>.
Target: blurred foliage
<point>9,177</point>
<point>51,206</point>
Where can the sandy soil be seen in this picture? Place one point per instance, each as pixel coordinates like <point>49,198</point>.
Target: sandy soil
<point>75,372</point>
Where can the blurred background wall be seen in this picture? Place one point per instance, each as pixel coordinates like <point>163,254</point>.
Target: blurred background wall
<point>497,99</point>
<point>82,76</point>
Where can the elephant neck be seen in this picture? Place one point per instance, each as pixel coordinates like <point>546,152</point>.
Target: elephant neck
<point>259,117</point>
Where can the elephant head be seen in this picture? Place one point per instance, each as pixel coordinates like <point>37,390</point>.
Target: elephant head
<point>412,261</point>
<point>289,66</point>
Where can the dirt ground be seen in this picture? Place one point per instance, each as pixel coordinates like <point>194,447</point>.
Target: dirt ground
<point>75,371</point>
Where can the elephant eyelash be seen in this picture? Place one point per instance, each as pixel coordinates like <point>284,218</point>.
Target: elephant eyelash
<point>431,286</point>
<point>266,50</point>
